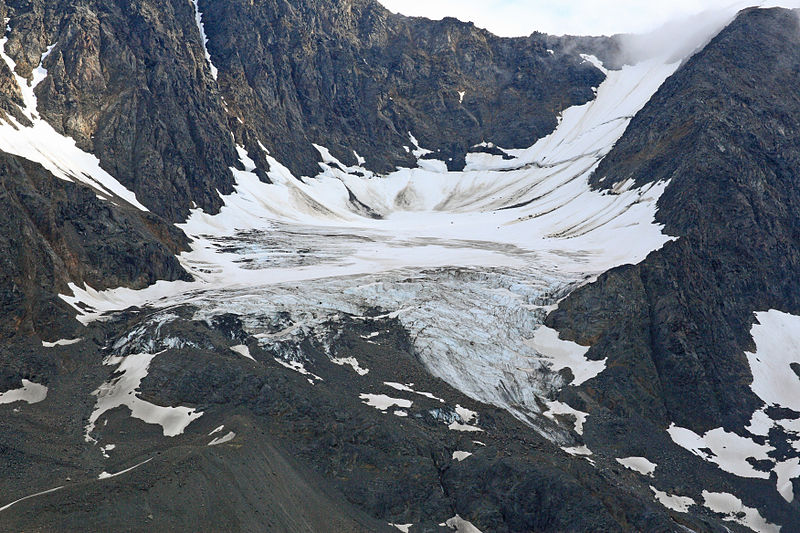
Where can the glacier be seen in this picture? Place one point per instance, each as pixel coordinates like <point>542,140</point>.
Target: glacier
<point>496,245</point>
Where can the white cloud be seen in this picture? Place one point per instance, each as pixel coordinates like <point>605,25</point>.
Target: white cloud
<point>576,17</point>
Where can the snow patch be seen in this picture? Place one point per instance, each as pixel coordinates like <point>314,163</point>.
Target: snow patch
<point>383,402</point>
<point>107,448</point>
<point>581,451</point>
<point>559,408</point>
<point>352,362</point>
<point>407,388</point>
<point>3,508</point>
<point>29,392</point>
<point>457,426</point>
<point>465,416</point>
<point>729,451</point>
<point>222,440</point>
<point>595,63</point>
<point>106,475</point>
<point>680,504</point>
<point>638,464</point>
<point>460,456</point>
<point>122,391</point>
<point>560,354</point>
<point>242,350</point>
<point>198,16</point>
<point>735,511</point>
<point>787,471</point>
<point>61,342</point>
<point>298,367</point>
<point>459,525</point>
<point>777,338</point>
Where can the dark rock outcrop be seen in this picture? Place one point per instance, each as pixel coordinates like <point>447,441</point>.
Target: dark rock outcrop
<point>297,444</point>
<point>725,130</point>
<point>353,76</point>
<point>53,232</point>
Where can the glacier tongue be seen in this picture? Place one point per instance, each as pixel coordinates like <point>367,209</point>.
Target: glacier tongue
<point>470,262</point>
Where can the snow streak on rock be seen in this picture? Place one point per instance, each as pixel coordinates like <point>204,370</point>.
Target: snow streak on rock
<point>57,153</point>
<point>198,16</point>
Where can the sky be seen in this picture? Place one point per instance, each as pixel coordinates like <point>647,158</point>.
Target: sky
<point>558,17</point>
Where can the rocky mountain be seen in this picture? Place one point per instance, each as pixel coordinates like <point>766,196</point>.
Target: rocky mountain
<point>312,265</point>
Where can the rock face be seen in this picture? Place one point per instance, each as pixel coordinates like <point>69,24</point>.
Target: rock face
<point>724,130</point>
<point>131,84</point>
<point>128,82</point>
<point>338,463</point>
<point>53,232</point>
<point>353,77</point>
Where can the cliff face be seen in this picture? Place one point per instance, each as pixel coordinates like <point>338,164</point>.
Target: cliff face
<point>353,77</point>
<point>131,84</point>
<point>54,232</point>
<point>724,131</point>
<point>675,328</point>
